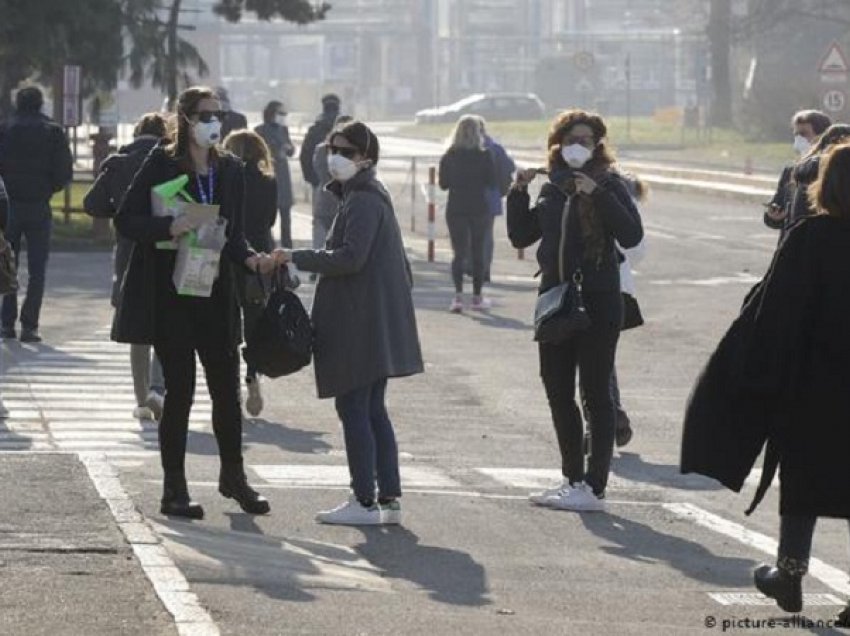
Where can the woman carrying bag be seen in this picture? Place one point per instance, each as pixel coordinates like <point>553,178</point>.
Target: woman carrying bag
<point>581,211</point>
<point>152,312</point>
<point>365,326</point>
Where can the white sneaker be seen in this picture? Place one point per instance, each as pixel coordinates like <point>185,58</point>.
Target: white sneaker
<point>391,513</point>
<point>254,403</point>
<point>544,498</point>
<point>352,513</point>
<point>143,413</point>
<point>578,498</point>
<point>155,402</point>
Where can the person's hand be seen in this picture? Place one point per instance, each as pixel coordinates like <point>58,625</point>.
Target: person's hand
<point>776,214</point>
<point>282,256</point>
<point>526,176</point>
<point>181,225</point>
<point>266,264</point>
<point>584,184</point>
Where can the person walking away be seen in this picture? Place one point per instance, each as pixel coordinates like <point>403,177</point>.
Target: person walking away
<point>316,134</point>
<point>779,377</point>
<point>365,324</point>
<point>35,162</point>
<point>807,126</point>
<point>179,327</point>
<point>579,214</point>
<point>468,172</point>
<point>231,119</point>
<point>505,168</point>
<point>261,199</point>
<point>103,200</point>
<point>325,202</point>
<point>275,132</point>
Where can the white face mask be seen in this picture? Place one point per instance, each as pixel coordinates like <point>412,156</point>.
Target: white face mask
<point>280,119</point>
<point>207,135</point>
<point>576,155</point>
<point>801,145</point>
<point>341,168</point>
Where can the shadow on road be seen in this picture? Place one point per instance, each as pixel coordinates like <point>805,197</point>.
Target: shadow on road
<point>643,544</point>
<point>262,431</point>
<point>449,576</point>
<point>633,467</point>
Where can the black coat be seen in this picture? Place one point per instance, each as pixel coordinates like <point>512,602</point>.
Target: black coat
<point>363,310</point>
<point>316,134</point>
<point>783,198</point>
<point>620,218</point>
<point>233,120</point>
<point>35,159</point>
<point>781,374</point>
<point>136,318</point>
<point>468,174</point>
<point>280,144</point>
<point>260,208</point>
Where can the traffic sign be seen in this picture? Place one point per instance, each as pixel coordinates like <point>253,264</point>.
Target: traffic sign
<point>834,100</point>
<point>584,60</point>
<point>834,61</point>
<point>71,96</point>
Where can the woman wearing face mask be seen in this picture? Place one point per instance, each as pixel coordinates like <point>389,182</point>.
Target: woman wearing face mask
<point>275,132</point>
<point>364,324</point>
<point>151,311</point>
<point>468,172</point>
<point>588,198</point>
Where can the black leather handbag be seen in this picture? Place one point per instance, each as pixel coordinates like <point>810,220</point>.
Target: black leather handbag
<point>632,316</point>
<point>560,313</point>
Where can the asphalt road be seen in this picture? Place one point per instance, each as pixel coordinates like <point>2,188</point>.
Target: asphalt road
<point>672,555</point>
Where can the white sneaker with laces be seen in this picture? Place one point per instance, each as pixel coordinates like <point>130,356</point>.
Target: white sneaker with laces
<point>352,513</point>
<point>544,498</point>
<point>143,413</point>
<point>391,513</point>
<point>578,498</point>
<point>254,403</point>
<point>155,402</point>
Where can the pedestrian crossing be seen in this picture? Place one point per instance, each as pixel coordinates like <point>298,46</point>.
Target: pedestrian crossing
<point>78,397</point>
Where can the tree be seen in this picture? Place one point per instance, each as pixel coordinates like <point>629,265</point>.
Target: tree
<point>297,11</point>
<point>38,37</point>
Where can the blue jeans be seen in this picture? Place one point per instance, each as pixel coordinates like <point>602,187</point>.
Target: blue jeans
<point>33,222</point>
<point>369,442</point>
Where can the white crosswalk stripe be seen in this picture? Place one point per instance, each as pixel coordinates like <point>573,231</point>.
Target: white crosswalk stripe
<point>79,397</point>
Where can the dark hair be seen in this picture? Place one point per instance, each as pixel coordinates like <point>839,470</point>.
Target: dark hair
<point>361,137</point>
<point>602,157</point>
<point>834,134</point>
<point>187,103</point>
<point>831,190</point>
<point>271,110</point>
<point>29,99</point>
<point>816,119</point>
<point>330,103</point>
<point>152,124</point>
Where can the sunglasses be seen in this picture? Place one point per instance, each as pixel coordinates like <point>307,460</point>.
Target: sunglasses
<point>348,153</point>
<point>206,116</point>
<point>586,141</point>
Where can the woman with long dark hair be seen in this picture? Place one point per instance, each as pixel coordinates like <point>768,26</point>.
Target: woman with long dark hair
<point>179,327</point>
<point>581,211</point>
<point>275,132</point>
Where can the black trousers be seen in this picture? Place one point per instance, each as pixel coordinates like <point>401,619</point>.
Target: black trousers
<point>592,354</point>
<point>795,538</point>
<point>220,361</point>
<point>468,233</point>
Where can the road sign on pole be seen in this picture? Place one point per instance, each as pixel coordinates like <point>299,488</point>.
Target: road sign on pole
<point>71,96</point>
<point>833,67</point>
<point>834,100</point>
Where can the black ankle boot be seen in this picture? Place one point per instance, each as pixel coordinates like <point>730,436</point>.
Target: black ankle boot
<point>786,589</point>
<point>233,484</point>
<point>843,618</point>
<point>176,500</point>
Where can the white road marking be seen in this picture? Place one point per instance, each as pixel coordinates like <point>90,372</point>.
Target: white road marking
<point>337,475</point>
<point>756,599</point>
<point>716,281</point>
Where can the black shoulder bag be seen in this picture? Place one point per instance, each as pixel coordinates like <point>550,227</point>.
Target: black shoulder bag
<point>560,313</point>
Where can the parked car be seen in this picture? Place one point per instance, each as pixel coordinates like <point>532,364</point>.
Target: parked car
<point>491,106</point>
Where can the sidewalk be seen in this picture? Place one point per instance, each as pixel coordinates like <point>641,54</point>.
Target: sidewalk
<point>65,567</point>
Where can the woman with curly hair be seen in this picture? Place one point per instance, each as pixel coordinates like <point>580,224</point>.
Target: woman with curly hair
<point>583,209</point>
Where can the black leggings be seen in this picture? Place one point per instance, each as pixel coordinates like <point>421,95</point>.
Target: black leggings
<point>795,539</point>
<point>221,367</point>
<point>467,234</point>
<point>592,352</point>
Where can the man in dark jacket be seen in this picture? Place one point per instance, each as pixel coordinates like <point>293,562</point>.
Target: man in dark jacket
<point>35,162</point>
<point>232,120</point>
<point>316,134</point>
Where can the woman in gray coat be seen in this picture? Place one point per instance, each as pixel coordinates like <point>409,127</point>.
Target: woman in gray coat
<point>365,324</point>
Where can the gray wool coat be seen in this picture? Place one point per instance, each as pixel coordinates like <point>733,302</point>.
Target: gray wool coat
<point>363,308</point>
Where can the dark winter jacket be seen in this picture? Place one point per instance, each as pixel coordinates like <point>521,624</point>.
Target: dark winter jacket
<point>804,175</point>
<point>316,134</point>
<point>620,218</point>
<point>260,208</point>
<point>468,174</point>
<point>781,374</point>
<point>280,144</point>
<point>104,197</point>
<point>233,120</point>
<point>148,277</point>
<point>783,199</point>
<point>4,206</point>
<point>505,168</point>
<point>363,310</point>
<point>35,159</point>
